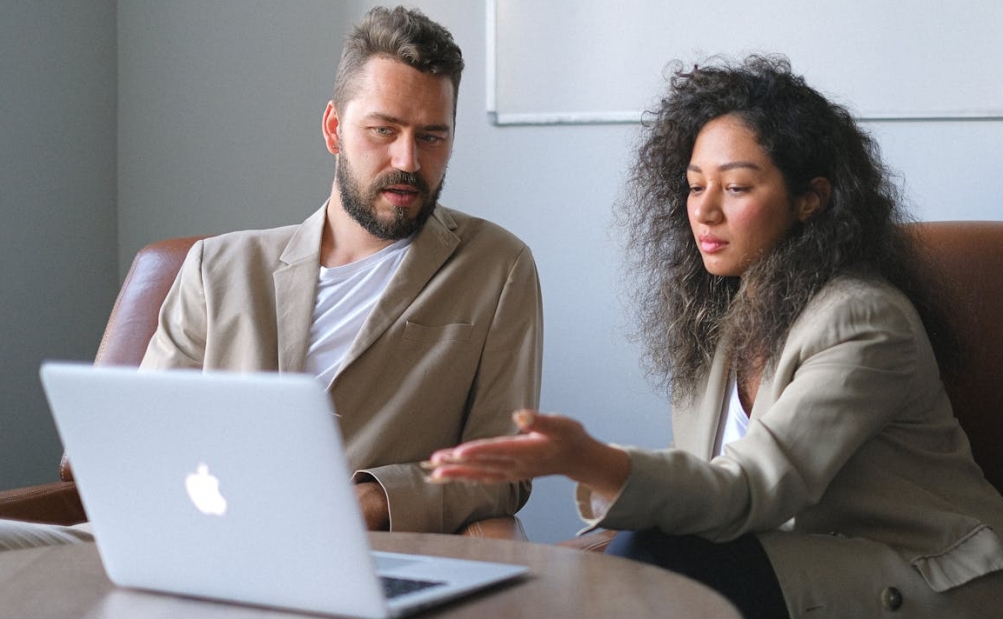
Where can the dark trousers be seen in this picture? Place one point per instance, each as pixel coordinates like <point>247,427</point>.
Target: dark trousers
<point>739,570</point>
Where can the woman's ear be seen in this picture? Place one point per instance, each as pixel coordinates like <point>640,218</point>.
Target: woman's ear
<point>815,200</point>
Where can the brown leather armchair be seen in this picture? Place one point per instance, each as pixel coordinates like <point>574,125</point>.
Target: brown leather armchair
<point>966,258</point>
<point>131,325</point>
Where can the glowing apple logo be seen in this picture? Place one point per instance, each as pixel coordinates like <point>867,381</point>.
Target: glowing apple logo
<point>203,490</point>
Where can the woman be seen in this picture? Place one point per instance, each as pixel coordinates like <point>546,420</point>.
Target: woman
<point>817,468</point>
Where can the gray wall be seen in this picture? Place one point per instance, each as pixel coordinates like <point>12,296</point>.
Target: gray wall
<point>219,128</point>
<point>219,107</point>
<point>58,241</point>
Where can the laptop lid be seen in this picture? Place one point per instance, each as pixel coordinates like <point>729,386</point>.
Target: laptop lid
<point>228,486</point>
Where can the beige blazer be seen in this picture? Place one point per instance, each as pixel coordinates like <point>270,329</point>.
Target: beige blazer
<point>451,348</point>
<point>854,470</point>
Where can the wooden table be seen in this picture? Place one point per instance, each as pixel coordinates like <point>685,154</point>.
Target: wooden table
<point>69,582</point>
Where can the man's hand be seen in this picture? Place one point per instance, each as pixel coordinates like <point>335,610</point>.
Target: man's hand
<point>375,507</point>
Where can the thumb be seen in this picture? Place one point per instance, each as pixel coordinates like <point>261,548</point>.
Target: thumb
<point>533,421</point>
<point>525,419</point>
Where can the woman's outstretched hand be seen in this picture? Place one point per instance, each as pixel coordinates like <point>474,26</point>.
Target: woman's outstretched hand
<point>546,445</point>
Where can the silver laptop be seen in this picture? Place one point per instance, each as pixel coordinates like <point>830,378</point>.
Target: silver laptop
<point>234,487</point>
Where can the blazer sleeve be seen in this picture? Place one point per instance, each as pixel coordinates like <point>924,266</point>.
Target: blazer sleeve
<point>180,338</point>
<point>847,368</point>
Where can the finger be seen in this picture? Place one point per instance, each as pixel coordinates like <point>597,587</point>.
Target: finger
<point>473,479</point>
<point>495,467</point>
<point>459,453</point>
<point>441,460</point>
<point>446,474</point>
<point>477,473</point>
<point>442,456</point>
<point>492,447</point>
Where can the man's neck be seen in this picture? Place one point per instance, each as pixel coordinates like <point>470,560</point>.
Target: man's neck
<point>344,240</point>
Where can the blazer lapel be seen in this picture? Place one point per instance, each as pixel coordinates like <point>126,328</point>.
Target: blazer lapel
<point>432,246</point>
<point>697,432</point>
<point>295,291</point>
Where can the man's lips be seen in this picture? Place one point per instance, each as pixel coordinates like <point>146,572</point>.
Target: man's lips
<point>710,244</point>
<point>401,196</point>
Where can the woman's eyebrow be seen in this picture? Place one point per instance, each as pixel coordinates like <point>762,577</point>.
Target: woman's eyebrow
<point>727,166</point>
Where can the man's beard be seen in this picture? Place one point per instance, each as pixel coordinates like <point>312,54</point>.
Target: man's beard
<point>361,203</point>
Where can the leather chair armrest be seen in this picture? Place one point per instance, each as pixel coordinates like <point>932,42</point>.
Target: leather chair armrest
<point>502,527</point>
<point>53,503</point>
<point>595,541</point>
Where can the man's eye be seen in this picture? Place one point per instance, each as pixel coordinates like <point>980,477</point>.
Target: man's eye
<point>430,138</point>
<point>382,130</point>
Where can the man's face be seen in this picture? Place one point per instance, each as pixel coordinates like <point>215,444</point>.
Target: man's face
<point>393,140</point>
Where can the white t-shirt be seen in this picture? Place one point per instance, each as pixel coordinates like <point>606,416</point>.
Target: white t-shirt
<point>735,422</point>
<point>345,297</point>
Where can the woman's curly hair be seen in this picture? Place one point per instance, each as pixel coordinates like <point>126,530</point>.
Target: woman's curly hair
<point>683,311</point>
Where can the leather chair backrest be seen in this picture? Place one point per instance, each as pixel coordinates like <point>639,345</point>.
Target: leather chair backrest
<point>134,316</point>
<point>966,258</point>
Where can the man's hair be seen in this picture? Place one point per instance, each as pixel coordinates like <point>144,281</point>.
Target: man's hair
<point>405,35</point>
<point>682,310</point>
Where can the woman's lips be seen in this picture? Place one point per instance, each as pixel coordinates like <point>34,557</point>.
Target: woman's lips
<point>710,244</point>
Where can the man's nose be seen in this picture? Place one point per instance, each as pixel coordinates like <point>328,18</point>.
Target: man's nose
<point>404,154</point>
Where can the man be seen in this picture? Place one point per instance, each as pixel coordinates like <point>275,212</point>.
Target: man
<point>426,323</point>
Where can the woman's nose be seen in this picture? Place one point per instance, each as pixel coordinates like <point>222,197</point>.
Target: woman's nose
<point>705,207</point>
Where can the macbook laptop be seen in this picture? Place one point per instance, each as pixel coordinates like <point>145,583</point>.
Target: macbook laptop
<point>234,487</point>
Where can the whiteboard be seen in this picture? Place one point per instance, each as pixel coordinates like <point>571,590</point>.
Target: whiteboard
<point>603,61</point>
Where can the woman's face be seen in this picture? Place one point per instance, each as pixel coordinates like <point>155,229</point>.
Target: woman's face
<point>738,205</point>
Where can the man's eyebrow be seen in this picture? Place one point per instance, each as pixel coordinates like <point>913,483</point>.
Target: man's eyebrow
<point>393,120</point>
<point>731,165</point>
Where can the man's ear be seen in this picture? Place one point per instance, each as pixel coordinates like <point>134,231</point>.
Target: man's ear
<point>815,200</point>
<point>331,128</point>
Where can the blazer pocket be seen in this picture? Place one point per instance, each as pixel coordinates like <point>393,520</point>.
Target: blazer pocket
<point>458,332</point>
<point>976,554</point>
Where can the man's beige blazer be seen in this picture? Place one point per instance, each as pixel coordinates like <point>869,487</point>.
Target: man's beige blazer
<point>451,348</point>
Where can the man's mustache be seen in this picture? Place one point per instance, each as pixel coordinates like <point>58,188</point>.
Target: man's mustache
<point>402,178</point>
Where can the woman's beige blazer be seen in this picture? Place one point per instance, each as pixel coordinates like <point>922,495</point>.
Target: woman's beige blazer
<point>854,472</point>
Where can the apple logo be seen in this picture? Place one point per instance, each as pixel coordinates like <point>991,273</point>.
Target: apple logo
<point>203,490</point>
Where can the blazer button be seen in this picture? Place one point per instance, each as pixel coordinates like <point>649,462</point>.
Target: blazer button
<point>891,598</point>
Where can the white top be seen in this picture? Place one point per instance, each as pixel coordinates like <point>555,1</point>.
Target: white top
<point>734,420</point>
<point>345,297</point>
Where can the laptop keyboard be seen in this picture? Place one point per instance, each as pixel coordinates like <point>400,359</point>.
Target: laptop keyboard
<point>393,587</point>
